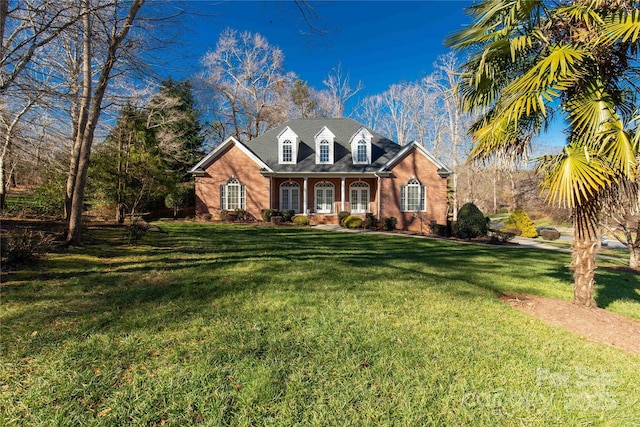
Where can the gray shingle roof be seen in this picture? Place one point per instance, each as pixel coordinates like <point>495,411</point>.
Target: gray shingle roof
<point>265,147</point>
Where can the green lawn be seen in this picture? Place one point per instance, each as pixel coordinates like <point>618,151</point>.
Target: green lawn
<point>222,325</point>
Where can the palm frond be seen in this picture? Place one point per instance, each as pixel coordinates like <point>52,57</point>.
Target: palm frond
<point>574,176</point>
<point>623,27</point>
<point>618,148</point>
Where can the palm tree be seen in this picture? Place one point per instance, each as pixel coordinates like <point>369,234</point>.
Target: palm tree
<point>534,60</point>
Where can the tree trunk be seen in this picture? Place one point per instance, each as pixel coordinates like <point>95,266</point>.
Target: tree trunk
<point>2,186</point>
<point>633,257</point>
<point>86,135</point>
<point>585,248</point>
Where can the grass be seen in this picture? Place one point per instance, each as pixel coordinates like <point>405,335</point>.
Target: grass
<point>224,325</point>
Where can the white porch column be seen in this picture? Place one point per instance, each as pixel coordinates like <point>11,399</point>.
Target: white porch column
<point>306,196</point>
<point>343,192</point>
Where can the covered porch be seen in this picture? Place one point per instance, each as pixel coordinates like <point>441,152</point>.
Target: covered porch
<point>323,197</point>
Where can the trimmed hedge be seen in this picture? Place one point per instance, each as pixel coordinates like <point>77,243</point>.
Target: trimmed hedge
<point>301,220</point>
<point>471,222</point>
<point>352,222</point>
<point>342,215</point>
<point>389,223</point>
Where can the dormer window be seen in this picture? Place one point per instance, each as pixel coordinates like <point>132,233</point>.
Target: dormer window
<point>287,146</point>
<point>361,152</point>
<point>287,151</point>
<point>361,147</point>
<point>324,146</point>
<point>323,151</point>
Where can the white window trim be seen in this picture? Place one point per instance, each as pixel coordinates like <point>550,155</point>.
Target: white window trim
<point>288,136</point>
<point>296,203</point>
<point>324,185</point>
<point>329,144</point>
<point>225,204</point>
<point>362,135</point>
<point>287,142</point>
<point>360,187</point>
<point>422,196</point>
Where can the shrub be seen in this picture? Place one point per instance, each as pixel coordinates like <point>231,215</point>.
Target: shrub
<point>301,220</point>
<point>503,235</point>
<point>342,215</point>
<point>438,229</point>
<point>136,231</point>
<point>549,234</point>
<point>268,213</point>
<point>389,223</point>
<point>287,215</point>
<point>471,222</point>
<point>205,217</point>
<point>24,247</point>
<point>520,220</point>
<point>352,222</point>
<point>370,221</point>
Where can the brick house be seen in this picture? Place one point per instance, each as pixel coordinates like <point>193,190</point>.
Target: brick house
<point>319,167</point>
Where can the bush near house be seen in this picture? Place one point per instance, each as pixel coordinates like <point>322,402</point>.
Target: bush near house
<point>389,223</point>
<point>370,221</point>
<point>353,222</point>
<point>520,220</point>
<point>301,220</point>
<point>471,222</point>
<point>342,215</point>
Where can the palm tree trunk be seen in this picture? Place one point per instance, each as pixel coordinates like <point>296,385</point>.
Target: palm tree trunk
<point>585,248</point>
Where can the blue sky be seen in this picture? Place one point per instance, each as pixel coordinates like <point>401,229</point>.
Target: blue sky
<point>378,42</point>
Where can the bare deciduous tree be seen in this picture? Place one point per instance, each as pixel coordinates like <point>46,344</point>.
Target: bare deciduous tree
<point>338,92</point>
<point>249,86</point>
<point>114,24</point>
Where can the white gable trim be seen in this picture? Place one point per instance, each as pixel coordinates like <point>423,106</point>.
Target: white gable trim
<point>407,148</point>
<point>231,141</point>
<point>362,134</point>
<point>288,134</point>
<point>324,132</point>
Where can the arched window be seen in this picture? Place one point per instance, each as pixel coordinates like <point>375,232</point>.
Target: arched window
<point>290,196</point>
<point>359,200</point>
<point>361,151</point>
<point>324,197</point>
<point>232,195</point>
<point>323,152</point>
<point>412,197</point>
<point>287,151</point>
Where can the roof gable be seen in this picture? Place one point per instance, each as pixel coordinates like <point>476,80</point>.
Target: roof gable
<point>443,169</point>
<point>229,142</point>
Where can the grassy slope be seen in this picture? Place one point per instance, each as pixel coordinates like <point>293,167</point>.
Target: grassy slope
<point>243,325</point>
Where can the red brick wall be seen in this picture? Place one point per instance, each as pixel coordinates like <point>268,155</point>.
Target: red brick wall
<point>414,165</point>
<point>232,163</point>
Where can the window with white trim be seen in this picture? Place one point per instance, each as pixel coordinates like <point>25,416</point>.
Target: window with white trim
<point>232,195</point>
<point>290,196</point>
<point>325,192</point>
<point>361,152</point>
<point>412,197</point>
<point>287,151</point>
<point>324,146</point>
<point>361,146</point>
<point>324,151</point>
<point>359,201</point>
<point>287,146</point>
